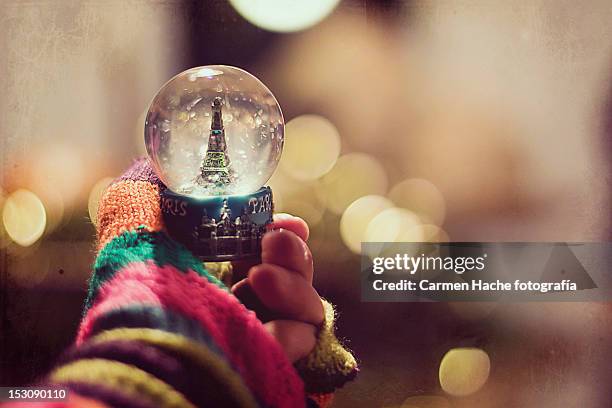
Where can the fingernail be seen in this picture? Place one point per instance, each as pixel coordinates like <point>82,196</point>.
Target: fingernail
<point>283,216</point>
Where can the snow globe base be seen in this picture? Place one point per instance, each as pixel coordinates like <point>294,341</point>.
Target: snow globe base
<point>219,228</point>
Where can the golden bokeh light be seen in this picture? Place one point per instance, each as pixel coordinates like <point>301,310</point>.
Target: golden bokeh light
<point>463,371</point>
<point>421,197</point>
<point>24,217</point>
<point>283,15</point>
<point>357,217</point>
<point>354,175</point>
<point>394,225</point>
<point>312,146</point>
<point>54,205</point>
<point>426,401</point>
<point>94,198</point>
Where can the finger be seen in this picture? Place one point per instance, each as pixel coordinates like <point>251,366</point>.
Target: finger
<point>281,221</point>
<point>241,267</point>
<point>286,249</point>
<point>289,222</point>
<point>296,338</point>
<point>247,296</point>
<point>286,293</point>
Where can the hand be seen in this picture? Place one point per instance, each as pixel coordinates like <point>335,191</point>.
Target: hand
<point>280,289</point>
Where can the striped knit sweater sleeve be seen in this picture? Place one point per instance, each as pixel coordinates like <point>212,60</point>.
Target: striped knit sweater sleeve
<point>159,330</point>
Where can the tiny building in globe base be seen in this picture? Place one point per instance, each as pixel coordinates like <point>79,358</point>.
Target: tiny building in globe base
<point>227,238</point>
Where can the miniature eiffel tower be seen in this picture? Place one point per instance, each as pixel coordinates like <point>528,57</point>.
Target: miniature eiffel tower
<point>215,168</point>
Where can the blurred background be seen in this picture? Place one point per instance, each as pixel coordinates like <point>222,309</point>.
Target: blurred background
<point>406,121</point>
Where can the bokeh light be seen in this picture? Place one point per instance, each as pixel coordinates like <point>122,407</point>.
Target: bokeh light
<point>284,15</point>
<point>357,217</point>
<point>94,198</point>
<point>463,371</point>
<point>354,175</point>
<point>421,197</point>
<point>394,225</point>
<point>312,146</point>
<point>24,217</point>
<point>53,202</point>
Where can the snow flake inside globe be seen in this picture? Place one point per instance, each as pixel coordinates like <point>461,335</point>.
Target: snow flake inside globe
<point>214,130</point>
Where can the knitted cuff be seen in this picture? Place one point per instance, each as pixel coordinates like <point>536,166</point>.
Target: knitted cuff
<point>329,366</point>
<point>129,204</point>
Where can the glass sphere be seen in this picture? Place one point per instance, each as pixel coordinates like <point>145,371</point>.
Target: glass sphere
<point>214,130</point>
